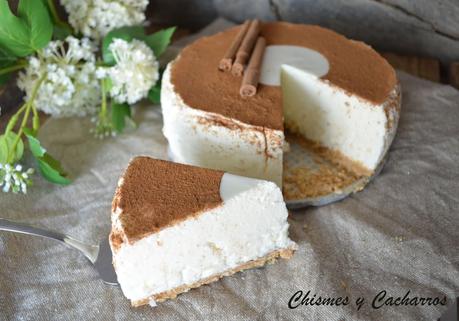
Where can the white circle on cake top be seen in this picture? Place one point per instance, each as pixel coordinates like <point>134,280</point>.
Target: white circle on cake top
<point>233,185</point>
<point>308,60</point>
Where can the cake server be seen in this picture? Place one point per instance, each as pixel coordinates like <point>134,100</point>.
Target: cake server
<point>99,255</point>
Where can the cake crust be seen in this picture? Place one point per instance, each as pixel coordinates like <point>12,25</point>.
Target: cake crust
<point>172,294</point>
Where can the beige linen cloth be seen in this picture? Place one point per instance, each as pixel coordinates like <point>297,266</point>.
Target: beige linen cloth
<point>401,233</point>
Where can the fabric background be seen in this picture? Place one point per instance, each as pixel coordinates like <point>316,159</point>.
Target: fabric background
<point>401,233</point>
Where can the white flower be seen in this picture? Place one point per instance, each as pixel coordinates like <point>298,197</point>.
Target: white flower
<point>14,179</point>
<point>103,127</point>
<point>70,87</point>
<point>95,18</point>
<point>135,72</point>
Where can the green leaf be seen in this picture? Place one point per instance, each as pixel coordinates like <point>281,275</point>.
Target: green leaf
<point>159,41</point>
<point>49,167</point>
<point>125,33</point>
<point>39,22</point>
<point>119,114</point>
<point>3,151</point>
<point>61,30</point>
<point>50,172</point>
<point>155,94</point>
<point>6,60</point>
<point>4,78</point>
<point>108,84</point>
<point>14,32</point>
<point>6,144</point>
<point>60,33</point>
<point>34,144</point>
<point>29,31</point>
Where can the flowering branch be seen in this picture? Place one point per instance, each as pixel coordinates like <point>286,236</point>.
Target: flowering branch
<point>63,76</point>
<point>28,106</point>
<point>20,65</point>
<point>104,127</point>
<point>103,109</point>
<point>55,15</point>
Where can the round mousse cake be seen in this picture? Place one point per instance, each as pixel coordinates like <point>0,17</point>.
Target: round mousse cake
<point>329,90</point>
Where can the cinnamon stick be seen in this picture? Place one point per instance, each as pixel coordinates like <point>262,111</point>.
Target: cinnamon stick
<point>245,49</point>
<point>252,73</point>
<point>227,61</point>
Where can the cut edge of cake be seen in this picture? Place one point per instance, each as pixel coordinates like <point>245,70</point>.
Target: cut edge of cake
<point>139,258</point>
<point>257,263</point>
<point>335,124</point>
<point>365,165</point>
<point>188,143</point>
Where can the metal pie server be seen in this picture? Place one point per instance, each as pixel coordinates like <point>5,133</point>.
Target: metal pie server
<point>99,255</point>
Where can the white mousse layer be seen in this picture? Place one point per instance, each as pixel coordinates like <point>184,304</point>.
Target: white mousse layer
<point>195,138</point>
<point>251,223</point>
<point>360,130</point>
<point>326,114</point>
<point>275,56</point>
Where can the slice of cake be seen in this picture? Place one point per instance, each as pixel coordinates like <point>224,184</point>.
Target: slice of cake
<point>330,90</point>
<point>177,227</point>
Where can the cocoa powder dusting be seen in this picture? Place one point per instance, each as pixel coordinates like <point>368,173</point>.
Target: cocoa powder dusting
<point>202,86</point>
<point>354,67</point>
<point>156,194</point>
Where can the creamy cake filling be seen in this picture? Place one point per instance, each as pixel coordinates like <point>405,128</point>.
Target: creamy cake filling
<point>333,91</point>
<point>213,141</point>
<point>323,113</point>
<point>301,58</point>
<point>339,121</point>
<point>352,66</point>
<point>248,224</point>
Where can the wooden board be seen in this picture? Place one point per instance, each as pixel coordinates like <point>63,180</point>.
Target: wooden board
<point>426,68</point>
<point>454,74</point>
